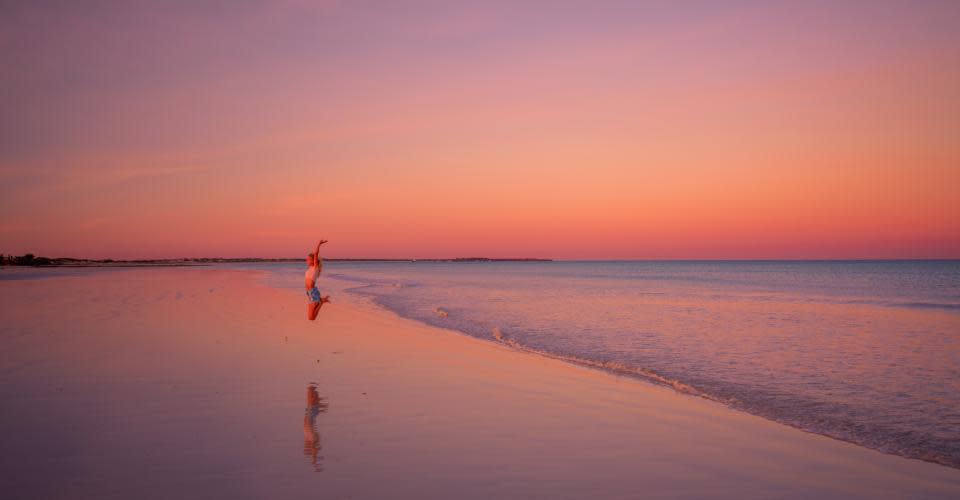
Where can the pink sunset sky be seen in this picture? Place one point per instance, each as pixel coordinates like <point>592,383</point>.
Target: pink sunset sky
<point>742,129</point>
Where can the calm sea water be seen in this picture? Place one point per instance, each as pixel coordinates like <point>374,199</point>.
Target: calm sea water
<point>867,352</point>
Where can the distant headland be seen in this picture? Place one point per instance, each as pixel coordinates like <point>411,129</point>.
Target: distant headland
<point>35,261</point>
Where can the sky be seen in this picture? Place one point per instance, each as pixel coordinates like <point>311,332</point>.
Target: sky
<point>569,130</point>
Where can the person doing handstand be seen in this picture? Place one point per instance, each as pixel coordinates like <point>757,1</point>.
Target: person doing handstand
<point>314,267</point>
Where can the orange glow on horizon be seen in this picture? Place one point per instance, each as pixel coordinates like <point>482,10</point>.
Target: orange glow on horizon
<point>501,131</point>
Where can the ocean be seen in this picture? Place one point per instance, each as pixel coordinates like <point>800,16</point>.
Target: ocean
<point>863,351</point>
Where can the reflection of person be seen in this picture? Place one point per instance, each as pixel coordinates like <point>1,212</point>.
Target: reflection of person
<point>311,438</point>
<point>314,267</point>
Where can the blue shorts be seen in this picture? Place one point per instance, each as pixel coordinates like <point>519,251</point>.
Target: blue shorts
<point>313,294</point>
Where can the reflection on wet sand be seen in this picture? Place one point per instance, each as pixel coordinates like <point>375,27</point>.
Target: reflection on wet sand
<point>311,438</point>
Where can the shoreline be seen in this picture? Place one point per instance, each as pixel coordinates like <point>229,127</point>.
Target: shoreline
<point>224,355</point>
<point>642,376</point>
<point>648,377</point>
<point>651,382</point>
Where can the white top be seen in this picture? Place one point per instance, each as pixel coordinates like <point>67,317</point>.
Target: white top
<point>310,277</point>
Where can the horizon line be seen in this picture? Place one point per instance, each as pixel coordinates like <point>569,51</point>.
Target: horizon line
<point>491,259</point>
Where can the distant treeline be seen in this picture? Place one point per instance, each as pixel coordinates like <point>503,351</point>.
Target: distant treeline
<point>32,260</point>
<point>25,260</point>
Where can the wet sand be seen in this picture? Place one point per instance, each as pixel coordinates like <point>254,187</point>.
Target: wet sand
<point>206,383</point>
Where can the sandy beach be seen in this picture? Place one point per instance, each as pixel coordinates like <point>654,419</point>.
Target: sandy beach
<point>198,383</point>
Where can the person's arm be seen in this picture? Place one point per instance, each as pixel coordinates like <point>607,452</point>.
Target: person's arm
<point>319,259</point>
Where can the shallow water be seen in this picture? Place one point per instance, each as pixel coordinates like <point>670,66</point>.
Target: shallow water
<point>867,352</point>
<point>189,383</point>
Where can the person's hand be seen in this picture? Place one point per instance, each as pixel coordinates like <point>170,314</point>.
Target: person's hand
<point>321,242</point>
